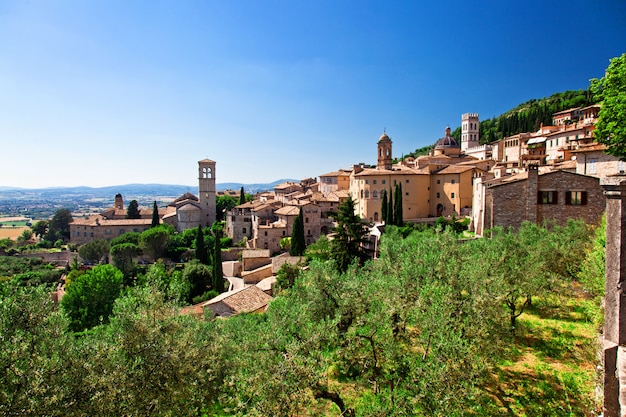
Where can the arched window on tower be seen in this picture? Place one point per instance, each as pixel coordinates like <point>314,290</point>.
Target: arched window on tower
<point>207,172</point>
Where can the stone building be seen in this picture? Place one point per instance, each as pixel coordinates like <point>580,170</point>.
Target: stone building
<point>530,196</point>
<point>185,212</point>
<point>436,185</point>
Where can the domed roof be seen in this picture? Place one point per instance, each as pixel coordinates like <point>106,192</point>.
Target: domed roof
<point>447,141</point>
<point>384,138</point>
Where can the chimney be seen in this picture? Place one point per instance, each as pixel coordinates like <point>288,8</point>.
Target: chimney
<point>532,188</point>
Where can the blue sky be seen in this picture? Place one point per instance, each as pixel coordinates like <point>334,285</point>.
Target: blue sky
<point>113,92</point>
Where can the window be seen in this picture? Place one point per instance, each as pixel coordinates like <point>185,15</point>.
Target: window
<point>243,230</point>
<point>375,194</point>
<point>306,219</point>
<point>367,181</point>
<point>438,195</point>
<point>547,197</point>
<point>453,181</point>
<point>438,181</point>
<point>384,182</point>
<point>576,198</point>
<point>374,182</point>
<point>407,181</point>
<point>265,233</point>
<point>367,193</point>
<point>592,169</point>
<point>452,195</point>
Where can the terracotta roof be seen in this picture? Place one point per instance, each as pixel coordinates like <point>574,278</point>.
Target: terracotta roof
<point>456,169</point>
<point>207,160</point>
<point>288,211</point>
<point>245,300</point>
<point>98,220</point>
<point>186,196</point>
<point>397,170</point>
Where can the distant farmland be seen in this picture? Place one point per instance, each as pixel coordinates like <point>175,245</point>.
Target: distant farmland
<point>12,227</point>
<point>11,232</point>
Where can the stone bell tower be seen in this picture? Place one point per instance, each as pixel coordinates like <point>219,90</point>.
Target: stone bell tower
<point>385,160</point>
<point>206,191</point>
<point>470,128</point>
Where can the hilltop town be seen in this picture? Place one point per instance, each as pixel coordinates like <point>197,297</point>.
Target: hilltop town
<point>555,171</point>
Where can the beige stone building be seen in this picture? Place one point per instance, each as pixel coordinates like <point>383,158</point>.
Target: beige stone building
<point>185,212</point>
<point>436,185</point>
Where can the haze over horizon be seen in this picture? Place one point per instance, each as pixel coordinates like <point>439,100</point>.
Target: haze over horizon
<point>103,93</point>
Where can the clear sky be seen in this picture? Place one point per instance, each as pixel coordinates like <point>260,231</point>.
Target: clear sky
<point>107,92</point>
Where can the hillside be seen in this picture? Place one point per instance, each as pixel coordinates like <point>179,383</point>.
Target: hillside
<point>526,117</point>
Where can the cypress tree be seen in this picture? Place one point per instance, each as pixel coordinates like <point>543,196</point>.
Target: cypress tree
<point>398,220</point>
<point>390,218</point>
<point>298,244</point>
<point>155,215</point>
<point>201,253</point>
<point>383,206</point>
<point>242,196</point>
<point>218,273</point>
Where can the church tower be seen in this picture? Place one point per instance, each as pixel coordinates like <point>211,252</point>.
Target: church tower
<point>119,202</point>
<point>470,127</point>
<point>206,191</point>
<point>385,159</point>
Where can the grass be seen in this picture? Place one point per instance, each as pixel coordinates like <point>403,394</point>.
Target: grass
<point>551,368</point>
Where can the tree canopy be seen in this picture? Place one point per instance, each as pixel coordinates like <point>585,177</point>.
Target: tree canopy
<point>88,299</point>
<point>611,125</point>
<point>59,226</point>
<point>298,243</point>
<point>133,210</point>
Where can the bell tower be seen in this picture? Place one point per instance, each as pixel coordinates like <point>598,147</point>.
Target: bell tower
<point>385,159</point>
<point>470,128</point>
<point>206,191</point>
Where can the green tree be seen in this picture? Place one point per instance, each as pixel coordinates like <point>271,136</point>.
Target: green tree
<point>94,251</point>
<point>34,352</point>
<point>390,203</point>
<point>153,241</point>
<point>40,228</point>
<point>383,206</point>
<point>133,210</point>
<point>397,209</point>
<point>201,252</point>
<point>59,226</point>
<point>286,277</point>
<point>242,196</point>
<point>155,215</point>
<point>123,255</point>
<point>218,274</point>
<point>611,125</point>
<point>224,203</point>
<point>298,243</point>
<point>88,300</point>
<point>199,278</point>
<point>26,235</point>
<point>128,237</point>
<point>349,234</point>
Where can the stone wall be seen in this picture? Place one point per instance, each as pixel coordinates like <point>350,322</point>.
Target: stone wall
<point>510,204</point>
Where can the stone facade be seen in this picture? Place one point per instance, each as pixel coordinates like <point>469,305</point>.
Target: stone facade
<point>552,196</point>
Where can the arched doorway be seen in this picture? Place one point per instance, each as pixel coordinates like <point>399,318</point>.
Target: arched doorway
<point>439,210</point>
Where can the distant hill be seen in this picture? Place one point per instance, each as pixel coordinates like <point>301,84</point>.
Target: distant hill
<point>135,189</point>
